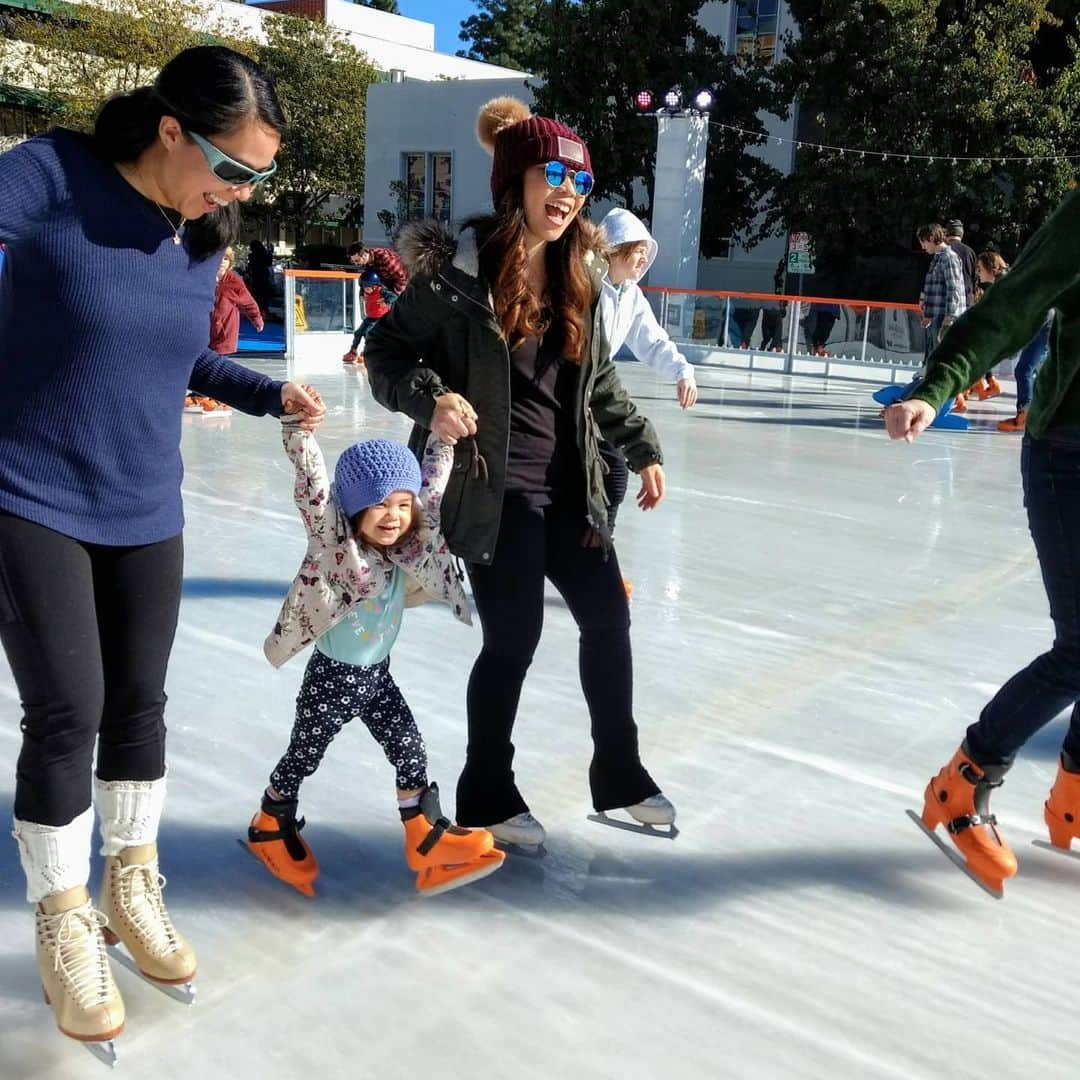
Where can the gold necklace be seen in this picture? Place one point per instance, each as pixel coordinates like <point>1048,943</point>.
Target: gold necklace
<point>176,239</point>
<point>175,228</point>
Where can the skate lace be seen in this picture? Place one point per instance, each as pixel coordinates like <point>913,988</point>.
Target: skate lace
<point>147,910</point>
<point>80,958</point>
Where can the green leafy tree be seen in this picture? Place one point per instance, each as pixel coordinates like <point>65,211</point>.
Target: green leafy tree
<point>992,80</point>
<point>76,55</point>
<point>382,5</point>
<point>510,33</point>
<point>323,82</point>
<point>627,45</point>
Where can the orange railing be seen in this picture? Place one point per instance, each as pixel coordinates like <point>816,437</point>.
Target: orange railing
<point>338,275</point>
<point>839,330</point>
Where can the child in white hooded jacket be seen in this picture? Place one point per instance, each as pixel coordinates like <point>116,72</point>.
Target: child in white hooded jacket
<point>628,318</point>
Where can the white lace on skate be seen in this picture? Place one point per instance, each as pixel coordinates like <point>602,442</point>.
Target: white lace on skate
<point>139,890</point>
<point>79,955</point>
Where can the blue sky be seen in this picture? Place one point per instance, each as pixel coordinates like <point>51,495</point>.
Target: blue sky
<point>447,16</point>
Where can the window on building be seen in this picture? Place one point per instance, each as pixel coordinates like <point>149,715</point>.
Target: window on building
<point>755,31</point>
<point>440,187</point>
<point>428,186</point>
<point>415,186</point>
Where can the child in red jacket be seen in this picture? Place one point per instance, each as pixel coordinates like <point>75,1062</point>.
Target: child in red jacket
<point>230,299</point>
<point>378,300</point>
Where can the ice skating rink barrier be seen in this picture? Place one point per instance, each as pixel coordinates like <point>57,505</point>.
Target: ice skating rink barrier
<point>863,339</point>
<point>867,339</point>
<point>322,308</point>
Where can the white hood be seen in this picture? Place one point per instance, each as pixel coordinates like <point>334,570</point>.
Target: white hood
<point>622,227</point>
<point>628,318</point>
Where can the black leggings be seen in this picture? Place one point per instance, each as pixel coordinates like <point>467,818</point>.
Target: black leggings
<point>535,543</point>
<point>87,630</point>
<point>332,694</point>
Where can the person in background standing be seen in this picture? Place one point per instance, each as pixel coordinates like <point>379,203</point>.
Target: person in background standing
<point>231,298</point>
<point>954,237</point>
<point>943,299</point>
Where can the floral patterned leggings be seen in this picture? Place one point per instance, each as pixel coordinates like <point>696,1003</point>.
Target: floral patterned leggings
<point>332,694</point>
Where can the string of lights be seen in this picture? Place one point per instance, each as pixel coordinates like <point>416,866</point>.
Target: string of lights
<point>897,155</point>
<point>671,104</point>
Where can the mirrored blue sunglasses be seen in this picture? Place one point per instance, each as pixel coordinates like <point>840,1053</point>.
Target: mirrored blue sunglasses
<point>228,170</point>
<point>556,173</point>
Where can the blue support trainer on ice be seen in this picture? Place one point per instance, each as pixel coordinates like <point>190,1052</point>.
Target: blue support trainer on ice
<point>891,394</point>
<point>946,419</point>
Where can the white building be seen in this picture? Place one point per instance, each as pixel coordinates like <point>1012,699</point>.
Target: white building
<point>395,44</point>
<point>424,135</point>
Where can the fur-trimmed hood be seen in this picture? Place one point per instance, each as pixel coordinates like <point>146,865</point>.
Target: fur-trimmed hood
<point>427,247</point>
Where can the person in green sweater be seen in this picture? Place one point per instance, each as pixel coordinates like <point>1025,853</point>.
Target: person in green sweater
<point>1045,277</point>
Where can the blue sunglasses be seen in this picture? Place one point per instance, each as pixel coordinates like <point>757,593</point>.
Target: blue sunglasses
<point>228,170</point>
<point>556,173</point>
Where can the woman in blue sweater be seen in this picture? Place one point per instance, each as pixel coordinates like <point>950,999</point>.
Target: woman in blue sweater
<point>113,242</point>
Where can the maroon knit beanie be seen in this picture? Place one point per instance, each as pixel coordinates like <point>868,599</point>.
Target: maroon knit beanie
<point>518,140</point>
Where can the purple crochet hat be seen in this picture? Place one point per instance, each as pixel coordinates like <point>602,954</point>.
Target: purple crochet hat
<point>369,471</point>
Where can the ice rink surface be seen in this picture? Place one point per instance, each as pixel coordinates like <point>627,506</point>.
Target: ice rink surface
<point>817,616</point>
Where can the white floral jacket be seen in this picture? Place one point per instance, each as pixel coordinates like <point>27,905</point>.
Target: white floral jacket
<point>338,572</point>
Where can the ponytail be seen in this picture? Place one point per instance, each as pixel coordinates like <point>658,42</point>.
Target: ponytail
<point>127,124</point>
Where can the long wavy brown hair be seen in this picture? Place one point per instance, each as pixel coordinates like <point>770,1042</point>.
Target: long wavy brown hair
<point>503,260</point>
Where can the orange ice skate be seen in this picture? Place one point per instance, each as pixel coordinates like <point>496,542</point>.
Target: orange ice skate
<point>959,798</point>
<point>274,839</point>
<point>1062,809</point>
<point>445,856</point>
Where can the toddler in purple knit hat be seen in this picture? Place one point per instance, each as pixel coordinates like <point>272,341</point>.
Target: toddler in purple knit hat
<point>375,546</point>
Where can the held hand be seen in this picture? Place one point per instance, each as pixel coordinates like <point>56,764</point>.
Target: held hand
<point>926,323</point>
<point>687,389</point>
<point>590,538</point>
<point>454,418</point>
<point>907,420</point>
<point>652,487</point>
<point>305,400</point>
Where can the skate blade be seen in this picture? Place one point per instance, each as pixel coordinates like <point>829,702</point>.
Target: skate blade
<point>1047,846</point>
<point>640,827</point>
<point>305,890</point>
<point>522,851</point>
<point>184,993</point>
<point>955,857</point>
<point>105,1052</point>
<point>488,867</point>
